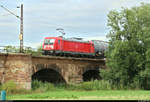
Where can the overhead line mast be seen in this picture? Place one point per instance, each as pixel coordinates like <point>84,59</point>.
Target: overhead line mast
<point>21,25</point>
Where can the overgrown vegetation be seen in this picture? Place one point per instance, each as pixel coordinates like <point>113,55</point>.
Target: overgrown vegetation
<point>38,87</point>
<point>11,49</point>
<point>128,55</point>
<point>11,88</point>
<point>27,50</point>
<point>38,52</point>
<point>91,85</point>
<point>42,86</point>
<point>86,90</point>
<point>84,86</point>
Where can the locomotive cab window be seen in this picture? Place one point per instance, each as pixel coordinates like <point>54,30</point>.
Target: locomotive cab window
<point>52,41</point>
<point>46,42</point>
<point>58,41</point>
<point>49,41</point>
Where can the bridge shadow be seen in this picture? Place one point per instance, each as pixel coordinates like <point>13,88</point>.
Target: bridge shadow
<point>48,75</point>
<point>91,74</point>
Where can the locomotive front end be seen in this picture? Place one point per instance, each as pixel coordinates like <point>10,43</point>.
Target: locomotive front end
<point>48,46</point>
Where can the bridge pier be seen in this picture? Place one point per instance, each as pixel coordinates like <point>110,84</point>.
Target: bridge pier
<point>72,73</point>
<point>16,68</point>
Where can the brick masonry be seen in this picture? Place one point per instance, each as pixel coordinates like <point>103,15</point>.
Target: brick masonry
<point>21,67</point>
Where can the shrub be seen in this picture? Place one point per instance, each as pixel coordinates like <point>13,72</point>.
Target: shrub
<point>42,86</point>
<point>39,86</point>
<point>36,84</point>
<point>96,85</point>
<point>87,85</point>
<point>61,85</point>
<point>48,86</point>
<point>102,85</point>
<point>9,86</point>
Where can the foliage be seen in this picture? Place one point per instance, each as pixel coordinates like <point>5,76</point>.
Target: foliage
<point>27,50</point>
<point>96,85</point>
<point>10,48</point>
<point>128,55</point>
<point>9,86</point>
<point>91,85</point>
<point>42,86</point>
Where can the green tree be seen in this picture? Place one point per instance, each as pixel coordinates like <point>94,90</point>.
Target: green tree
<point>27,50</point>
<point>128,55</point>
<point>38,52</point>
<point>10,48</point>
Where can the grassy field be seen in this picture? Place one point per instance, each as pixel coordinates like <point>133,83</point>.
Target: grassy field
<point>85,95</point>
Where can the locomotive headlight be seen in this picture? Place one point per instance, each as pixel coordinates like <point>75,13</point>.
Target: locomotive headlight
<point>52,46</point>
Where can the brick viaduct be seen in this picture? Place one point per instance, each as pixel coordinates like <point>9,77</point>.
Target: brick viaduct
<point>23,68</point>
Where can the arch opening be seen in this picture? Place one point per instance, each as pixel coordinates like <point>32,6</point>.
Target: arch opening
<point>91,75</point>
<point>48,75</point>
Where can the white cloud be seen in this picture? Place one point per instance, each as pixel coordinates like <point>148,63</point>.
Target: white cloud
<point>33,45</point>
<point>103,38</point>
<point>42,17</point>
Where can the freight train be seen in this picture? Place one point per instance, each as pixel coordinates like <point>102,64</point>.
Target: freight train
<point>73,47</point>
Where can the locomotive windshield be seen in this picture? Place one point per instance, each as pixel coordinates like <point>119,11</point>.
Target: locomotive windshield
<point>49,41</point>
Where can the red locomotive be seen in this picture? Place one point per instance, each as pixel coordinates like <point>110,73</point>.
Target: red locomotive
<point>71,46</point>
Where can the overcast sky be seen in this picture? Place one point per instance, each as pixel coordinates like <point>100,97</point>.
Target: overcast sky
<point>78,18</point>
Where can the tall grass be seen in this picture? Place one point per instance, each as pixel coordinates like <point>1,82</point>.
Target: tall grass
<point>38,86</point>
<point>91,85</point>
<point>42,86</point>
<point>96,85</point>
<point>11,88</point>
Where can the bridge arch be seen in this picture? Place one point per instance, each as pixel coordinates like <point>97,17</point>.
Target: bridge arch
<point>91,73</point>
<point>47,73</point>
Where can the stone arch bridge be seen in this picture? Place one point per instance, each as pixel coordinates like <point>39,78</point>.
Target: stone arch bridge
<point>23,68</point>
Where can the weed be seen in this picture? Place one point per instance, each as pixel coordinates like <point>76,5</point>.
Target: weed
<point>9,86</point>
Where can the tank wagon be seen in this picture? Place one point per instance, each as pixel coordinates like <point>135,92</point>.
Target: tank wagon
<point>100,47</point>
